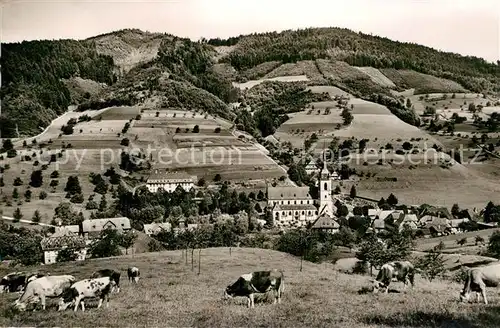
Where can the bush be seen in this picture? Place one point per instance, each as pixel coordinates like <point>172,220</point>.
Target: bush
<point>42,195</point>
<point>432,264</point>
<point>66,255</point>
<point>125,142</point>
<point>217,130</point>
<point>196,129</point>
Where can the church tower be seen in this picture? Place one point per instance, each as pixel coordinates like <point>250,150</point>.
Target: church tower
<point>325,191</point>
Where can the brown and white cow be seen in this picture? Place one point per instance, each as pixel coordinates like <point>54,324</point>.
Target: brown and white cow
<point>98,287</point>
<point>402,271</point>
<point>133,274</point>
<point>257,282</point>
<point>41,288</point>
<point>478,279</point>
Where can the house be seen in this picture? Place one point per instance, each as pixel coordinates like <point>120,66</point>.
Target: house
<point>435,225</point>
<point>154,228</point>
<point>63,239</point>
<point>74,229</point>
<point>326,223</point>
<point>407,220</point>
<point>162,179</point>
<point>92,228</point>
<point>311,167</point>
<point>455,225</point>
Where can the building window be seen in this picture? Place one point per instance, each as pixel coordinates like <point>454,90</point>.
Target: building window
<point>288,202</point>
<point>308,212</point>
<point>325,186</point>
<point>301,202</point>
<point>302,212</point>
<point>295,202</point>
<point>290,213</point>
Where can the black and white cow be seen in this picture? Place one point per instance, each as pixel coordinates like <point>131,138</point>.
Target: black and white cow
<point>394,271</point>
<point>133,274</point>
<point>112,274</point>
<point>257,282</point>
<point>17,281</point>
<point>88,288</point>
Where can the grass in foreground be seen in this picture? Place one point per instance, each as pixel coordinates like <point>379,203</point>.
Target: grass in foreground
<point>169,294</point>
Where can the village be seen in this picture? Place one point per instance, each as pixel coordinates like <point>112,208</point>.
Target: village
<point>284,208</point>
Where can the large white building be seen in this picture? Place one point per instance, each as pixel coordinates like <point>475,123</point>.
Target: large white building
<point>169,181</point>
<point>291,206</point>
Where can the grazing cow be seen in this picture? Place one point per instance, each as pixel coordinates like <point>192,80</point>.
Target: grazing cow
<point>39,289</point>
<point>17,281</point>
<point>98,287</point>
<point>133,274</point>
<point>478,279</point>
<point>257,282</point>
<point>114,275</point>
<point>394,271</point>
<point>12,281</point>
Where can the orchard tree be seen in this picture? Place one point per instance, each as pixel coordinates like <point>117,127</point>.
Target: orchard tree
<point>17,215</point>
<point>36,179</point>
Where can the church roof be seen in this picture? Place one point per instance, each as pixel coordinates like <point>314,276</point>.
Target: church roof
<point>289,192</point>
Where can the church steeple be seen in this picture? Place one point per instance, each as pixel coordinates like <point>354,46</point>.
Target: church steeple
<point>325,190</point>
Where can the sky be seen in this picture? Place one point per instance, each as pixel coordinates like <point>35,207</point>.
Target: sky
<point>468,27</point>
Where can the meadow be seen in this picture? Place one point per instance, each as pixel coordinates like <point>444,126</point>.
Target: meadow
<point>169,294</point>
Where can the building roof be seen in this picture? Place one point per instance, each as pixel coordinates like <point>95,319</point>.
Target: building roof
<point>154,228</point>
<point>270,138</point>
<point>99,225</point>
<point>289,192</point>
<point>164,176</point>
<point>67,230</point>
<point>311,165</point>
<point>293,207</point>
<point>56,243</point>
<point>325,222</point>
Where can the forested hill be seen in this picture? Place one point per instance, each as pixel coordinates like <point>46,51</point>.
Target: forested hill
<point>165,70</point>
<point>359,49</point>
<point>33,92</point>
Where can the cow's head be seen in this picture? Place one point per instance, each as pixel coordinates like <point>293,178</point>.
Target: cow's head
<point>229,292</point>
<point>22,305</point>
<point>377,285</point>
<point>64,304</point>
<point>464,296</point>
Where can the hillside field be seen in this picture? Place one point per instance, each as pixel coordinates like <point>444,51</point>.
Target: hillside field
<point>96,146</point>
<point>170,294</point>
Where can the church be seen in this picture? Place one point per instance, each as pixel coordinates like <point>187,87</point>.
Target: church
<point>294,207</point>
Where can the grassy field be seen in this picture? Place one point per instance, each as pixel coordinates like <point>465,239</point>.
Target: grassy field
<point>422,83</point>
<point>96,145</point>
<point>305,67</point>
<point>170,294</point>
<point>377,76</point>
<point>250,84</point>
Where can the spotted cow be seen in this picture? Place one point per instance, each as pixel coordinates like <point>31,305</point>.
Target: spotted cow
<point>88,288</point>
<point>257,282</point>
<point>133,274</point>
<point>394,271</point>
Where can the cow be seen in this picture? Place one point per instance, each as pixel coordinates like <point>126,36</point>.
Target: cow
<point>478,279</point>
<point>114,275</point>
<point>96,287</point>
<point>394,271</point>
<point>12,281</point>
<point>17,281</point>
<point>41,288</point>
<point>133,274</point>
<point>257,282</point>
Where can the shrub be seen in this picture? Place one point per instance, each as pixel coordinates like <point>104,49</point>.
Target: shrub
<point>125,142</point>
<point>217,130</point>
<point>66,255</point>
<point>42,195</point>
